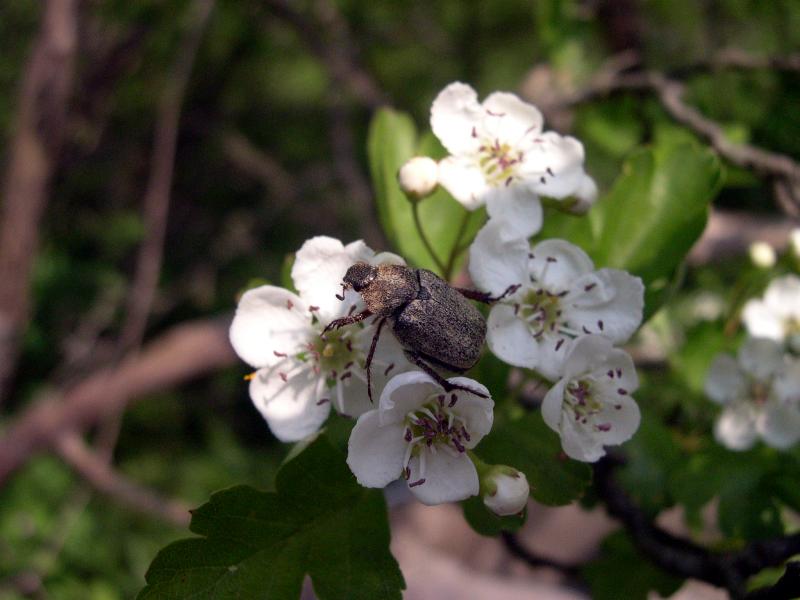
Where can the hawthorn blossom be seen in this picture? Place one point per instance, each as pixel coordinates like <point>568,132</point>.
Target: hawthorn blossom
<point>760,393</point>
<point>591,405</point>
<point>506,490</point>
<point>500,157</point>
<point>560,297</point>
<point>300,374</point>
<point>422,433</point>
<point>776,316</point>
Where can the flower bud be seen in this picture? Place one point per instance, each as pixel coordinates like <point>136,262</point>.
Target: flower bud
<point>762,255</point>
<point>506,490</point>
<point>419,177</point>
<point>794,242</point>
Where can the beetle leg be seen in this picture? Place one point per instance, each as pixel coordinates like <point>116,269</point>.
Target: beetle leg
<point>415,358</point>
<point>368,364</point>
<point>486,297</point>
<point>336,323</point>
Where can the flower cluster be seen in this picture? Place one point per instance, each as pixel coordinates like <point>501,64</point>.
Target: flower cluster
<point>553,313</point>
<point>760,392</point>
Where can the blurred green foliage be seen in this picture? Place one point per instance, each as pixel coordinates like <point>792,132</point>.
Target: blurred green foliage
<point>255,75</point>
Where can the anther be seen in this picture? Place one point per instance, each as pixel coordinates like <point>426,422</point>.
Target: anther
<point>622,391</point>
<point>586,331</point>
<point>346,375</point>
<point>313,308</point>
<point>453,400</point>
<point>284,377</point>
<point>559,344</point>
<point>289,304</point>
<point>250,376</point>
<point>550,172</point>
<point>279,354</point>
<point>417,482</point>
<point>389,368</point>
<point>408,435</point>
<point>322,401</point>
<point>589,287</point>
<point>600,324</point>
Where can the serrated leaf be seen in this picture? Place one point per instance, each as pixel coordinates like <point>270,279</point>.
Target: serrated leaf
<point>447,225</point>
<point>652,216</point>
<point>485,522</point>
<point>529,445</point>
<point>255,544</point>
<point>612,577</point>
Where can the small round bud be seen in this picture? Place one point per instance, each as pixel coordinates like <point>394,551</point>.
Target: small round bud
<point>419,177</point>
<point>506,491</point>
<point>762,255</point>
<point>794,242</point>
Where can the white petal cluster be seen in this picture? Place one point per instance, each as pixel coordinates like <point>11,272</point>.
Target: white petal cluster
<point>776,316</point>
<point>422,433</point>
<point>299,374</point>
<point>760,392</point>
<point>560,298</point>
<point>418,177</point>
<point>591,405</point>
<point>500,157</point>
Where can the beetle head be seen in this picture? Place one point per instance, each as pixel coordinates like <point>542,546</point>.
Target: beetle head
<point>360,275</point>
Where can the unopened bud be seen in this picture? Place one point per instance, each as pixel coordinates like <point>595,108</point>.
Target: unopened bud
<point>762,255</point>
<point>506,491</point>
<point>794,242</point>
<point>419,177</point>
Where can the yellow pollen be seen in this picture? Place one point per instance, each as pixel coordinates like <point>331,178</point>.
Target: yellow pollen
<point>250,376</point>
<point>328,351</point>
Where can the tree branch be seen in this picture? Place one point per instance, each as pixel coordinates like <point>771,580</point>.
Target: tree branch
<point>157,196</point>
<point>42,107</point>
<point>186,351</point>
<point>99,473</point>
<point>683,557</point>
<point>517,549</point>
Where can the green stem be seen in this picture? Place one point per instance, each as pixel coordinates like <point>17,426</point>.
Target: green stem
<point>457,249</point>
<point>424,238</point>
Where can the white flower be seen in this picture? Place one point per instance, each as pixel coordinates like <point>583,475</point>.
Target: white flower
<point>507,491</point>
<point>299,375</point>
<point>419,176</point>
<point>762,255</point>
<point>422,433</point>
<point>500,157</point>
<point>777,315</point>
<point>760,392</point>
<point>794,242</point>
<point>561,297</point>
<point>591,406</point>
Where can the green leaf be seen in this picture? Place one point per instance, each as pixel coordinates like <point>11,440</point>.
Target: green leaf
<point>447,225</point>
<point>485,522</point>
<point>655,212</point>
<point>260,545</point>
<point>620,572</point>
<point>529,445</point>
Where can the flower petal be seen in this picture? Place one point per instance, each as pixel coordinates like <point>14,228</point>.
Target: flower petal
<point>374,452</point>
<point>477,412</point>
<point>761,357</point>
<point>496,263</point>
<point>553,405</point>
<point>448,478</point>
<point>403,393</point>
<point>463,178</point>
<point>510,339</point>
<point>609,302</point>
<point>618,419</point>
<point>553,165</point>
<point>786,386</point>
<point>454,116</point>
<point>577,443</point>
<point>318,269</point>
<point>269,319</point>
<point>762,321</point>
<point>508,119</point>
<point>556,264</point>
<point>290,407</point>
<point>736,426</point>
<point>516,209</point>
<point>779,424</point>
<point>783,296</point>
<point>725,381</point>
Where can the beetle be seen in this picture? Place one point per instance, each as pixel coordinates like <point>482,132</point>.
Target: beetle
<point>434,322</point>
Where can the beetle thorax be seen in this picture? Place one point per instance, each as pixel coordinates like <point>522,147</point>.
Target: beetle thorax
<point>393,287</point>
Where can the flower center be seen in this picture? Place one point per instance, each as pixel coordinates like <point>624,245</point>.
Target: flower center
<point>498,162</point>
<point>430,428</point>
<point>584,406</point>
<point>759,392</point>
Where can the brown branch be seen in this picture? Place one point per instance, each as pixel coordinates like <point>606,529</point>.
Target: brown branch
<point>517,549</point>
<point>157,196</point>
<point>33,157</point>
<point>683,557</point>
<point>186,351</point>
<point>99,473</point>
